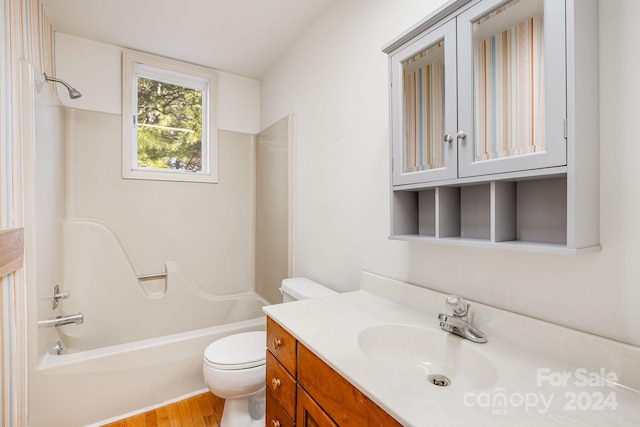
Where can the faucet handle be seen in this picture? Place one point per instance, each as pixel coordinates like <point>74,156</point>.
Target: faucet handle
<point>57,296</point>
<point>457,305</point>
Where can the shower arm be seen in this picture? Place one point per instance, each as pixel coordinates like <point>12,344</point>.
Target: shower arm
<point>56,80</point>
<point>73,92</point>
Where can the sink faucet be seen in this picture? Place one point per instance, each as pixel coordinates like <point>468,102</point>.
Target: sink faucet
<point>458,321</point>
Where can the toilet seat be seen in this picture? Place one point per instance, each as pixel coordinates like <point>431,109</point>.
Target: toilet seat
<point>239,351</point>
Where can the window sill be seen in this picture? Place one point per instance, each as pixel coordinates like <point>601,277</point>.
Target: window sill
<point>170,175</point>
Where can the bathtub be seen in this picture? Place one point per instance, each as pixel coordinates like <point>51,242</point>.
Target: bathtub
<point>91,386</point>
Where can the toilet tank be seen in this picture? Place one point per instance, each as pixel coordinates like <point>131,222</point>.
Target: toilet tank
<point>299,288</point>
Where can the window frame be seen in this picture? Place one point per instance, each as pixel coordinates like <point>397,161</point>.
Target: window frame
<point>135,64</point>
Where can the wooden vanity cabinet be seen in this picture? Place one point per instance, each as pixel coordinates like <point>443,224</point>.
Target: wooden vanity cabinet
<point>303,388</point>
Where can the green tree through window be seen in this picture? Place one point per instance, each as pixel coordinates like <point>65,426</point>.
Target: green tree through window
<point>169,126</point>
<point>169,120</point>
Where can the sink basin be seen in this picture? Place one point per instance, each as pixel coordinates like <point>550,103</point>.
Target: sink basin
<point>429,356</point>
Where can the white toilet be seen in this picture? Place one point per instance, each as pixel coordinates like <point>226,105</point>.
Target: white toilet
<point>234,366</point>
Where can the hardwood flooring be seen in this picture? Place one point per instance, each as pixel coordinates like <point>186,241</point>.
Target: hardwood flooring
<point>203,410</point>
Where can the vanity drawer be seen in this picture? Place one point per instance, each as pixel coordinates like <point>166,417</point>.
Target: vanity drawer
<point>282,345</point>
<point>276,415</point>
<point>343,402</point>
<point>281,384</point>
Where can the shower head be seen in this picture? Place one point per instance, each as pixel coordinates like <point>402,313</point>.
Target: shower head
<point>73,92</point>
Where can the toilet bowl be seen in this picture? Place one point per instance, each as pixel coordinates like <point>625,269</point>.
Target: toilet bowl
<point>234,369</point>
<point>234,366</point>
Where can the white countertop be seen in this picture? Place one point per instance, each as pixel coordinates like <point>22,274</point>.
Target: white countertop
<point>536,386</point>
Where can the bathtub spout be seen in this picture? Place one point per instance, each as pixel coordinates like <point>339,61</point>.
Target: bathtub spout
<point>62,320</point>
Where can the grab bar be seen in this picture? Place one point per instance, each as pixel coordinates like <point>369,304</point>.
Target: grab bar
<point>62,320</point>
<point>152,276</point>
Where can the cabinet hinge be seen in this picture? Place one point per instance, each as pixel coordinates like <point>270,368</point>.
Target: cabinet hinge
<point>566,125</point>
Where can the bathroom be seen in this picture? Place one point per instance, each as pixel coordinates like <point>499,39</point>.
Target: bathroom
<point>333,80</point>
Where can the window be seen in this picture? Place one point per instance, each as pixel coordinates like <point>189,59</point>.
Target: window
<point>169,126</point>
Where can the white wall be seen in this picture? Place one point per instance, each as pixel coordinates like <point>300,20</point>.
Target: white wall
<point>335,81</point>
<point>95,70</point>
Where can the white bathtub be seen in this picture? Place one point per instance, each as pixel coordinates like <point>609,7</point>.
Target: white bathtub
<point>86,387</point>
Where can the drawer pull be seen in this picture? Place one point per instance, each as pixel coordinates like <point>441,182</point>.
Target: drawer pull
<point>275,383</point>
<point>275,423</point>
<point>276,343</point>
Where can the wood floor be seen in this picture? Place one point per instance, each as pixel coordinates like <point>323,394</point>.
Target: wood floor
<point>203,410</point>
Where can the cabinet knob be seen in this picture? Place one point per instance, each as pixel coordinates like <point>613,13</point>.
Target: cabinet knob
<point>275,383</point>
<point>275,423</point>
<point>461,135</point>
<point>276,343</point>
<point>448,138</point>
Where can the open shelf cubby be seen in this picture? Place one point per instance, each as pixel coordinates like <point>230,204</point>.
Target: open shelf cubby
<point>527,214</point>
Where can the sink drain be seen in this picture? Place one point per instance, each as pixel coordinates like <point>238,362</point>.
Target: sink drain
<point>439,380</point>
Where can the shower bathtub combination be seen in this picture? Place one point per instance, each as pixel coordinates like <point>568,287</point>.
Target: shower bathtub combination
<point>142,339</point>
<point>124,336</point>
<point>88,384</point>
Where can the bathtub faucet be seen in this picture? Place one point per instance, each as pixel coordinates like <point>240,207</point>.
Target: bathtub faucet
<point>62,320</point>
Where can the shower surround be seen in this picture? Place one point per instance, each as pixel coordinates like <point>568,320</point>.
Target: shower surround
<point>96,235</point>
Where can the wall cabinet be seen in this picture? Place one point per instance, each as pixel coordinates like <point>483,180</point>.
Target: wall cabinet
<point>320,396</point>
<point>489,143</point>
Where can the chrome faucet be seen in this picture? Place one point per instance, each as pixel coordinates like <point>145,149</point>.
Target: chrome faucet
<point>57,296</point>
<point>59,348</point>
<point>62,320</point>
<point>458,321</point>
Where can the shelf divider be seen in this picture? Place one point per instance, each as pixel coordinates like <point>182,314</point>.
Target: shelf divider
<point>447,212</point>
<point>503,211</point>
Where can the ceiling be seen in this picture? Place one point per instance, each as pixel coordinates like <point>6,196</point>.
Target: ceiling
<point>243,37</point>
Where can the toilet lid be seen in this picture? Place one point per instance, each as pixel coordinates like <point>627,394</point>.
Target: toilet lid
<point>239,351</point>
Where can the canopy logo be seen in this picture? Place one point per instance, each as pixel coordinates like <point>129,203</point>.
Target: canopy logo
<point>574,397</point>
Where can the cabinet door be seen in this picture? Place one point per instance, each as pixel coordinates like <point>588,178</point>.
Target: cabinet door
<point>423,105</point>
<point>309,413</point>
<point>511,86</point>
<point>339,399</point>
